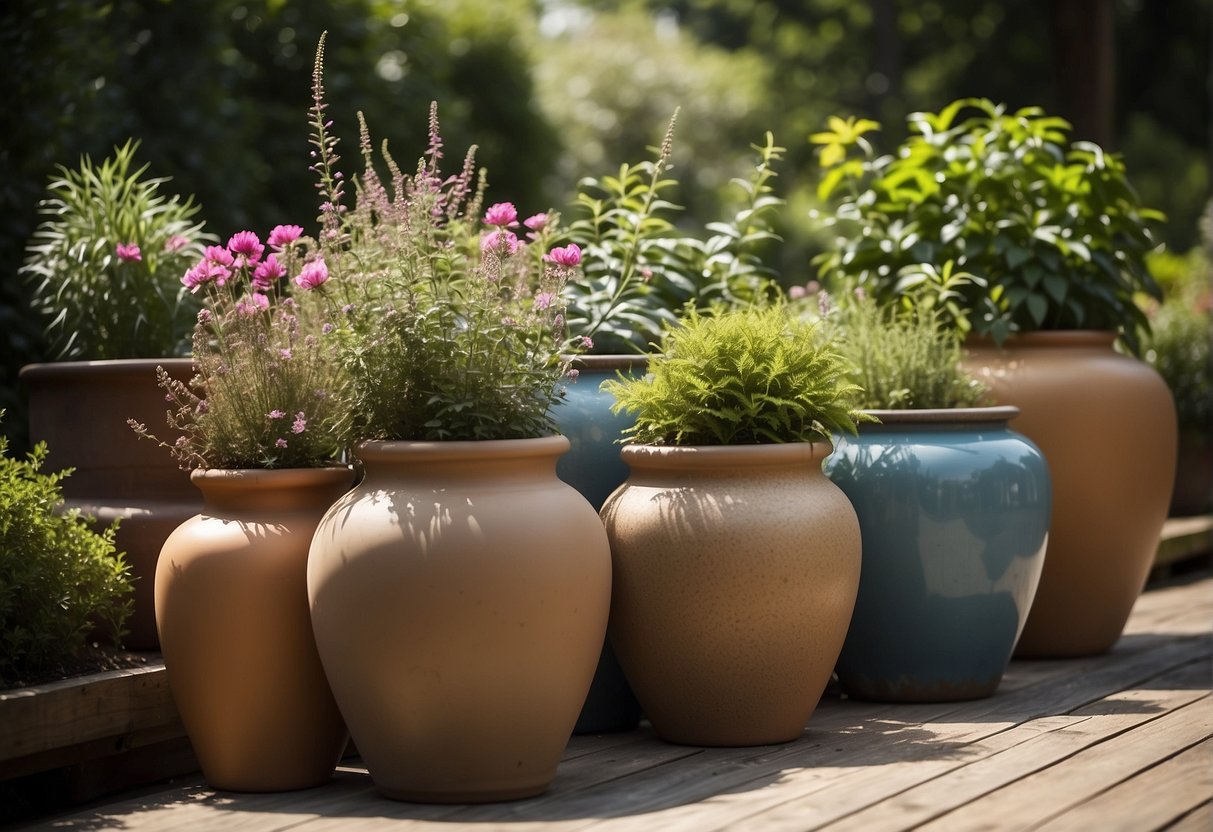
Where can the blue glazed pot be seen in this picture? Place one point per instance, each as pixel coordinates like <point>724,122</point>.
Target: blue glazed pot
<point>594,468</point>
<point>954,511</point>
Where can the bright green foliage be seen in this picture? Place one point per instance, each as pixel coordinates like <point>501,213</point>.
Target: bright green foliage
<point>96,304</point>
<point>739,377</point>
<point>1181,327</point>
<point>58,578</point>
<point>641,269</point>
<point>1052,231</point>
<point>903,360</point>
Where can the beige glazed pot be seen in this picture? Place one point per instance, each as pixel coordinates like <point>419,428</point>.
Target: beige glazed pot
<point>80,408</point>
<point>1106,424</point>
<point>736,572</point>
<point>459,598</point>
<point>231,605</point>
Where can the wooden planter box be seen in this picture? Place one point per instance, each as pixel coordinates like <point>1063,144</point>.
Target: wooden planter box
<point>114,730</point>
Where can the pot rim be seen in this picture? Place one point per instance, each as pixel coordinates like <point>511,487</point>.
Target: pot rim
<point>1046,338</point>
<point>961,415</point>
<point>612,361</point>
<point>49,370</point>
<point>284,476</point>
<point>461,448</point>
<point>725,456</point>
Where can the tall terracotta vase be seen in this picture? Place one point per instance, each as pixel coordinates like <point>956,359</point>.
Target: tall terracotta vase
<point>736,570</point>
<point>232,607</point>
<point>593,466</point>
<point>1106,424</point>
<point>459,598</point>
<point>80,408</point>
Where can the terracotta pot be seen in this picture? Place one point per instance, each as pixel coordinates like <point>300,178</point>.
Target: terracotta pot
<point>1106,424</point>
<point>953,510</point>
<point>231,604</point>
<point>459,599</point>
<point>735,576</point>
<point>80,408</point>
<point>594,468</point>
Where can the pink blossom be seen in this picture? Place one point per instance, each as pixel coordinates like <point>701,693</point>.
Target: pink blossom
<point>797,292</point>
<point>570,255</point>
<point>275,414</point>
<point>312,274</point>
<point>259,300</point>
<point>176,243</point>
<point>285,353</point>
<point>281,443</point>
<point>574,373</point>
<point>205,316</point>
<point>300,424</point>
<point>219,256</point>
<point>284,235</point>
<point>205,272</point>
<point>544,299</point>
<point>129,252</point>
<point>502,214</point>
<point>536,222</point>
<point>245,247</point>
<point>267,272</point>
<point>587,343</point>
<point>501,241</point>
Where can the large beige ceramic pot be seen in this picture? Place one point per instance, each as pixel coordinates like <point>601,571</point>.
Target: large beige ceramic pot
<point>1106,424</point>
<point>231,603</point>
<point>736,570</point>
<point>80,408</point>
<point>459,598</point>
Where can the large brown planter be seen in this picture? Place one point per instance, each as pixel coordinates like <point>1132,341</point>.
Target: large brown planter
<point>80,408</point>
<point>459,599</point>
<point>231,603</point>
<point>736,570</point>
<point>1106,424</point>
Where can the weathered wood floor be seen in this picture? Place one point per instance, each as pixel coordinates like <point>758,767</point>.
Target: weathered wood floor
<point>1119,742</point>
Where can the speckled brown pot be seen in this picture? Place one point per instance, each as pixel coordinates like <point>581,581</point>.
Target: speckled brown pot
<point>736,570</point>
<point>459,599</point>
<point>1106,424</point>
<point>232,607</point>
<point>80,408</point>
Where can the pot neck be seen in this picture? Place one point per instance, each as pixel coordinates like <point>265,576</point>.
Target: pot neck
<point>800,455</point>
<point>250,489</point>
<point>1087,339</point>
<point>500,460</point>
<point>610,363</point>
<point>958,418</point>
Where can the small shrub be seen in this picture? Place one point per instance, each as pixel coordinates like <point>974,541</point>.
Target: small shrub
<point>746,376</point>
<point>59,579</point>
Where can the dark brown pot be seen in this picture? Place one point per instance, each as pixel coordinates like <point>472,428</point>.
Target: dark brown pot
<point>80,408</point>
<point>1106,424</point>
<point>231,603</point>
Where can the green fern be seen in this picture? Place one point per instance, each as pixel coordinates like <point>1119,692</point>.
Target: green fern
<point>739,377</point>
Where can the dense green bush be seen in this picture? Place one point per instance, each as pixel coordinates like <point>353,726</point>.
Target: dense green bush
<point>59,580</point>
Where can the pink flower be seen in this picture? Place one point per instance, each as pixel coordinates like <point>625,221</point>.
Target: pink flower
<point>312,274</point>
<point>285,354</point>
<point>205,272</point>
<point>219,256</point>
<point>574,373</point>
<point>281,443</point>
<point>275,414</point>
<point>797,292</point>
<point>543,300</point>
<point>587,343</point>
<point>176,243</point>
<point>300,424</point>
<point>570,255</point>
<point>259,300</point>
<point>504,242</point>
<point>284,235</point>
<point>502,214</point>
<point>129,252</point>
<point>245,247</point>
<point>536,222</point>
<point>267,272</point>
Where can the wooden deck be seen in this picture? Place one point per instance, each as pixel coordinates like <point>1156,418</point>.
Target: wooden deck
<point>1119,742</point>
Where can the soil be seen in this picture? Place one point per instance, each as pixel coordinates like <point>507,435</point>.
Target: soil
<point>95,658</point>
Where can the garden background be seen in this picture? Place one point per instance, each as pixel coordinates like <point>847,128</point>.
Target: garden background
<point>552,90</point>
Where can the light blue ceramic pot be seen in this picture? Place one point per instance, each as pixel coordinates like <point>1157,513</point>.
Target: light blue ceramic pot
<point>954,512</point>
<point>594,468</point>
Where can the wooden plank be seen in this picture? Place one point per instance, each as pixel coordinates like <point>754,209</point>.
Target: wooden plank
<point>1186,780</point>
<point>1037,798</point>
<point>1183,538</point>
<point>1198,820</point>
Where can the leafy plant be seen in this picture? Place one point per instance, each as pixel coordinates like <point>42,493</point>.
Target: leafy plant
<point>1050,233</point>
<point>59,579</point>
<point>735,377</point>
<point>641,270</point>
<point>902,359</point>
<point>266,392</point>
<point>105,263</point>
<point>1178,346</point>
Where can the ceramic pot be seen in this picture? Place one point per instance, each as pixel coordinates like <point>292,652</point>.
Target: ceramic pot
<point>594,468</point>
<point>953,510</point>
<point>459,598</point>
<point>80,408</point>
<point>736,569</point>
<point>1106,424</point>
<point>232,607</point>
